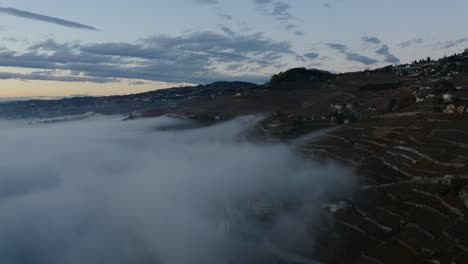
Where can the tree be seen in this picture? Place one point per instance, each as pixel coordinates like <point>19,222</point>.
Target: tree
<point>301,74</point>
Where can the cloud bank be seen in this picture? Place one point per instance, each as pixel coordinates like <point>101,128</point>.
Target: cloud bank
<point>104,191</point>
<point>197,57</point>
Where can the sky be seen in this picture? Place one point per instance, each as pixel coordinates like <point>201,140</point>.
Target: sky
<point>52,48</point>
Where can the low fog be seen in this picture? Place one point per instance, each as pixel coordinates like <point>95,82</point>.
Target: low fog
<point>105,191</point>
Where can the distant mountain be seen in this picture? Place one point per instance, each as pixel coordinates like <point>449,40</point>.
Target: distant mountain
<point>230,85</point>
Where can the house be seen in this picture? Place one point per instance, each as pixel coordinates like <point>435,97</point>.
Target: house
<point>451,108</point>
<point>447,180</point>
<point>448,98</point>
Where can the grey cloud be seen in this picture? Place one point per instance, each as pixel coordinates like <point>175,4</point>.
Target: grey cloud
<point>301,58</point>
<point>352,56</point>
<point>186,58</point>
<point>44,18</point>
<point>413,42</point>
<point>225,16</point>
<point>371,40</point>
<point>227,30</point>
<point>356,57</point>
<point>295,29</point>
<point>281,10</point>
<point>338,47</point>
<point>452,43</point>
<point>384,50</point>
<point>312,55</point>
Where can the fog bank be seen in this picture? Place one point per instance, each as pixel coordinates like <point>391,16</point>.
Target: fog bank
<point>105,191</point>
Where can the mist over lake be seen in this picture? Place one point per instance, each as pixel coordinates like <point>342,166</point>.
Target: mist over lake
<point>105,191</point>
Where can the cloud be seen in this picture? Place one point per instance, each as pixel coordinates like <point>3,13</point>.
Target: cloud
<point>43,18</point>
<point>312,55</point>
<point>195,57</point>
<point>410,43</point>
<point>338,47</point>
<point>352,56</point>
<point>384,50</point>
<point>9,39</point>
<point>452,43</point>
<point>371,40</point>
<point>280,10</point>
<point>363,59</point>
<point>225,16</point>
<point>380,48</point>
<point>226,30</point>
<point>105,191</point>
<point>47,76</point>
<point>234,67</point>
<point>206,2</point>
<point>263,2</point>
<point>330,4</point>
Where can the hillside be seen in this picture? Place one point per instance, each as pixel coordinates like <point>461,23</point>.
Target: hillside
<point>122,105</point>
<point>404,129</point>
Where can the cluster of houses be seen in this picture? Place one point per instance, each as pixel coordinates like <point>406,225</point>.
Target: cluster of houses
<point>453,103</point>
<point>339,114</point>
<point>424,93</point>
<point>437,70</point>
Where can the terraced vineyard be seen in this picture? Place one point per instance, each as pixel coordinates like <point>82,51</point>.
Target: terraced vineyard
<point>411,206</point>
